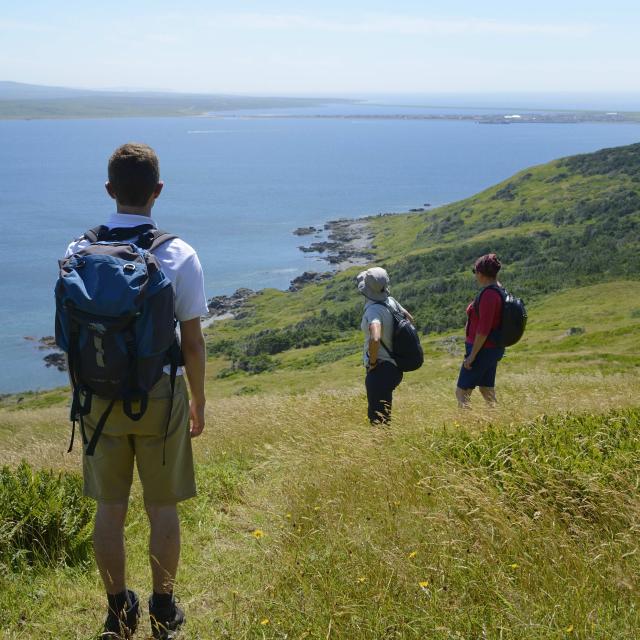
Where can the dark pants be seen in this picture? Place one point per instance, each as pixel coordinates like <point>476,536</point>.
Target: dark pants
<point>380,383</point>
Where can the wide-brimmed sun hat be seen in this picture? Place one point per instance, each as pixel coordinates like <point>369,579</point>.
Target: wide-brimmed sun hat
<point>373,284</point>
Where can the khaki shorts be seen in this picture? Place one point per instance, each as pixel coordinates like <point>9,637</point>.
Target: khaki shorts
<point>108,473</point>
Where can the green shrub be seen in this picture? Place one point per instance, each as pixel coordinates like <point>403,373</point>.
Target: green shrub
<point>44,519</point>
<point>249,364</point>
<point>610,162</point>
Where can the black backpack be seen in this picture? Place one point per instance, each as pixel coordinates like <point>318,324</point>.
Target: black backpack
<point>514,317</point>
<point>407,350</point>
<point>115,319</point>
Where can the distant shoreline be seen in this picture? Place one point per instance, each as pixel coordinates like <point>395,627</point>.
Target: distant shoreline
<point>21,101</point>
<point>565,117</point>
<point>498,118</point>
<point>568,117</point>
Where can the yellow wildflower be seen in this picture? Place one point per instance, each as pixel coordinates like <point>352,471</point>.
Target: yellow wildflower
<point>424,584</point>
<point>515,565</point>
<point>257,534</point>
<point>413,554</point>
<point>264,621</point>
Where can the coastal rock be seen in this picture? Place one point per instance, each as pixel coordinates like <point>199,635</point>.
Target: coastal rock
<point>222,305</point>
<point>348,243</point>
<point>305,231</point>
<point>350,256</point>
<point>57,360</point>
<point>46,343</point>
<point>321,247</point>
<point>308,277</point>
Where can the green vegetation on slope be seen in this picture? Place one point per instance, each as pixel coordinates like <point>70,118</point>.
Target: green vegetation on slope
<point>566,224</point>
<point>44,520</point>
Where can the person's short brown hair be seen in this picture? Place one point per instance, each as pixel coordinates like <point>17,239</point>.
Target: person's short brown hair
<point>134,173</point>
<point>488,265</point>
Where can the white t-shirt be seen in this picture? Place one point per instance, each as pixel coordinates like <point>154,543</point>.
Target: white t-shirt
<point>377,312</point>
<point>179,263</point>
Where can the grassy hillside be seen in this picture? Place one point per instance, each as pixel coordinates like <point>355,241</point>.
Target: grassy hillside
<point>568,224</point>
<point>516,523</point>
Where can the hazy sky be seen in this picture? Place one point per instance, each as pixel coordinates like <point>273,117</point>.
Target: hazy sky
<point>327,47</point>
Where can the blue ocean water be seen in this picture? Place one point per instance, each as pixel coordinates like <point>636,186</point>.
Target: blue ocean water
<point>235,188</point>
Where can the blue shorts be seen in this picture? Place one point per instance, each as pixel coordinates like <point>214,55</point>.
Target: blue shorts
<point>483,369</point>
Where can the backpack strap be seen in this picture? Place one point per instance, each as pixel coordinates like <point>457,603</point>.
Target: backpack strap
<point>494,335</point>
<point>81,397</point>
<point>92,235</point>
<point>175,355</point>
<point>160,237</point>
<point>392,311</point>
<point>91,447</point>
<point>148,237</point>
<point>501,290</point>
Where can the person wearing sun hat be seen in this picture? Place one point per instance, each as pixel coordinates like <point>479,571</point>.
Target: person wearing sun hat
<point>482,353</point>
<point>382,376</point>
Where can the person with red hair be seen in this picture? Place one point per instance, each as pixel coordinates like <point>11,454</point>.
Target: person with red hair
<point>482,350</point>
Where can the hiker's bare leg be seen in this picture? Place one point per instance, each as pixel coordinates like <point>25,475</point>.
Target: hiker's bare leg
<point>108,545</point>
<point>463,396</point>
<point>164,545</point>
<point>489,394</point>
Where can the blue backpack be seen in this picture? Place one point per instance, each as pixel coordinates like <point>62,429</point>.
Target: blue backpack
<point>115,319</point>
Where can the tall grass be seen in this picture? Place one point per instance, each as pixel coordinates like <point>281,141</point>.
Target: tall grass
<point>520,522</point>
<point>523,530</point>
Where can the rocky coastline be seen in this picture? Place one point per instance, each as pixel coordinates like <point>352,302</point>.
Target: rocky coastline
<point>342,243</point>
<point>54,357</point>
<point>347,244</point>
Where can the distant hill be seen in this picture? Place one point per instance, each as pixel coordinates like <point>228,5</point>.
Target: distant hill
<point>27,101</point>
<point>21,91</point>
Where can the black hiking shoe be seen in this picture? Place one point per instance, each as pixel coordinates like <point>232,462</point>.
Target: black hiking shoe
<point>165,621</point>
<point>121,625</point>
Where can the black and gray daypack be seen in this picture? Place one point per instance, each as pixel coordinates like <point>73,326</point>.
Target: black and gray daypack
<point>514,317</point>
<point>407,350</point>
<point>115,319</point>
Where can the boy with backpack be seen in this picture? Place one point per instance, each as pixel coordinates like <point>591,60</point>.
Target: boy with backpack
<point>122,289</point>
